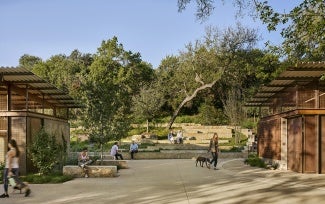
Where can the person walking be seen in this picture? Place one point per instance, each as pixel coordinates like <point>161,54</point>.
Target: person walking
<point>11,171</point>
<point>214,149</point>
<point>133,149</point>
<point>115,151</point>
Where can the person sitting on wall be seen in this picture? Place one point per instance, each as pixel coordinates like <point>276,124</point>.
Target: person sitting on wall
<point>115,151</point>
<point>84,161</point>
<point>171,137</point>
<point>133,149</point>
<point>179,137</point>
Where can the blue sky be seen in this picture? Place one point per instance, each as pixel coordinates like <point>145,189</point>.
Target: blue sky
<point>153,28</point>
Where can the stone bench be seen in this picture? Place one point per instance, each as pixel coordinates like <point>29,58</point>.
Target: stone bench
<point>122,164</point>
<point>94,171</point>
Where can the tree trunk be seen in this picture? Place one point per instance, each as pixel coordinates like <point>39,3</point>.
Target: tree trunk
<point>147,125</point>
<point>187,99</point>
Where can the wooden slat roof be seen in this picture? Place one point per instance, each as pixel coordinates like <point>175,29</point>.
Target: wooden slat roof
<point>22,78</point>
<point>302,73</point>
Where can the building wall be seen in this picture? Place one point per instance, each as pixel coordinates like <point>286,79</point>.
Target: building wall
<point>3,138</point>
<point>304,141</point>
<point>322,144</point>
<point>23,129</point>
<point>34,126</point>
<point>284,145</point>
<point>295,144</point>
<point>269,138</point>
<point>310,144</point>
<point>18,133</point>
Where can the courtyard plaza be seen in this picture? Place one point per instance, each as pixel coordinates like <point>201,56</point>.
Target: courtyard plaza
<point>180,181</point>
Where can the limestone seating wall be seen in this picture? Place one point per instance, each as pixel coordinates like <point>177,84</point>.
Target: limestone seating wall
<point>183,154</point>
<point>94,171</point>
<point>179,152</point>
<point>107,162</point>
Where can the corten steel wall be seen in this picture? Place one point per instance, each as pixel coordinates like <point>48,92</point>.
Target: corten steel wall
<point>322,144</point>
<point>3,138</point>
<point>34,126</point>
<point>295,144</point>
<point>269,138</point>
<point>3,128</point>
<point>310,144</point>
<point>59,128</point>
<point>23,129</point>
<point>18,132</point>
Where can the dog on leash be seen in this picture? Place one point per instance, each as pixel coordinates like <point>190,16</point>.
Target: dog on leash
<point>18,188</point>
<point>202,161</point>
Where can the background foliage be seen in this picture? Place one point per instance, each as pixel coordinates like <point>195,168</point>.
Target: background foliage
<point>209,80</point>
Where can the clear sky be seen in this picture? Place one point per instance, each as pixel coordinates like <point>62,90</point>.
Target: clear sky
<point>154,28</point>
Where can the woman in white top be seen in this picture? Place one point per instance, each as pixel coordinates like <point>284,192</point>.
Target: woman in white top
<point>12,170</point>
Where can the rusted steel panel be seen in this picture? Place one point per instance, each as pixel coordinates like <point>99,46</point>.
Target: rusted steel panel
<point>310,147</point>
<point>322,153</point>
<point>269,138</point>
<point>295,144</point>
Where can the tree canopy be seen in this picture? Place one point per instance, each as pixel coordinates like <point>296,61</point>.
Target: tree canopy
<point>226,58</point>
<point>117,87</point>
<point>302,28</point>
<point>114,76</point>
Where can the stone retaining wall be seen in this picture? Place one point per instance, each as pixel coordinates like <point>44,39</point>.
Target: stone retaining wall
<point>176,154</point>
<point>182,154</point>
<point>94,171</point>
<point>122,164</point>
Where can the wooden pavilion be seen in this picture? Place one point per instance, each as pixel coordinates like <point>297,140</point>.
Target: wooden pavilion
<point>291,130</point>
<point>27,104</point>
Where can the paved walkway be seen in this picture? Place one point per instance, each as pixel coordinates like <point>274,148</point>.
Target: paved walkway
<point>179,181</point>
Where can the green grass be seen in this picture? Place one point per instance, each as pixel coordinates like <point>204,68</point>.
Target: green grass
<point>41,179</point>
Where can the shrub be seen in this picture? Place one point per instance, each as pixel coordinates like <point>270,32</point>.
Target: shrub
<point>45,151</point>
<point>254,160</point>
<point>248,123</point>
<point>2,167</point>
<point>234,149</point>
<point>52,178</point>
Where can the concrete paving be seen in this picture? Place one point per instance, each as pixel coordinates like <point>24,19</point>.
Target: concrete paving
<point>179,181</point>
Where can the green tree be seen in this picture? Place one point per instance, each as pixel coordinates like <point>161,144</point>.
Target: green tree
<point>147,104</point>
<point>114,76</point>
<point>62,71</point>
<point>28,61</point>
<point>203,64</point>
<point>204,8</point>
<point>66,73</point>
<point>302,27</point>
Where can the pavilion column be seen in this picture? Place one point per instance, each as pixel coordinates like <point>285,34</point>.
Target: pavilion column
<point>9,109</point>
<point>27,99</point>
<point>317,99</point>
<point>297,96</point>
